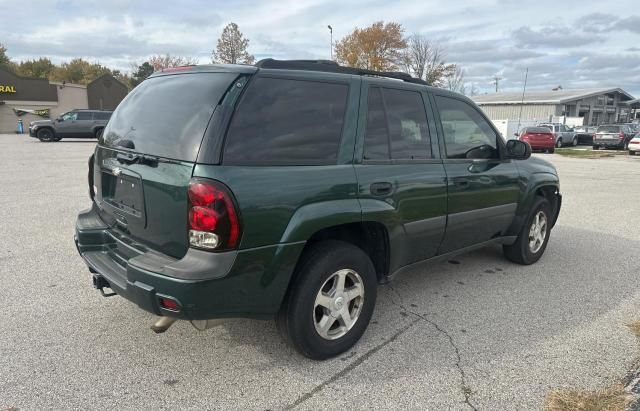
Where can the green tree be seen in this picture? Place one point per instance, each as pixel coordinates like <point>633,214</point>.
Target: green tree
<point>377,47</point>
<point>143,71</point>
<point>232,47</point>
<point>4,59</point>
<point>79,71</point>
<point>40,68</point>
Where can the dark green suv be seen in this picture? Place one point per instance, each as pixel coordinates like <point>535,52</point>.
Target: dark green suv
<point>291,189</point>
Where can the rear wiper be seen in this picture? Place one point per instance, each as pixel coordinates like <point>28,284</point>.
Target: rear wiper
<point>133,158</point>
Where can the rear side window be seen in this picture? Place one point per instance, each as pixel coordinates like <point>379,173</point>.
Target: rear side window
<point>287,122</point>
<point>99,115</point>
<point>84,115</point>
<point>167,116</point>
<point>396,126</point>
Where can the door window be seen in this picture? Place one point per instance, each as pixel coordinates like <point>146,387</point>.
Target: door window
<point>70,116</point>
<point>84,115</point>
<point>466,133</point>
<point>396,126</point>
<point>287,122</point>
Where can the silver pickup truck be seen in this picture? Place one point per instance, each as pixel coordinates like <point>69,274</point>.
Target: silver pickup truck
<point>564,136</point>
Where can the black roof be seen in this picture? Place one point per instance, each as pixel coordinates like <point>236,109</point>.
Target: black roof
<point>330,66</point>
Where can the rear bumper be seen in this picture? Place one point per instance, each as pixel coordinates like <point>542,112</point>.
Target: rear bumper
<point>542,145</point>
<point>244,283</point>
<point>608,142</point>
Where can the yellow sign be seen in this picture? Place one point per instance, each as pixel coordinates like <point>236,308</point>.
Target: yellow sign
<point>7,89</point>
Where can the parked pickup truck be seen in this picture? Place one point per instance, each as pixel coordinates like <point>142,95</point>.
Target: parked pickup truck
<point>291,189</point>
<point>564,135</point>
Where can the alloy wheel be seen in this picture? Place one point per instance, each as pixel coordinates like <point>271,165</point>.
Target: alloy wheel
<point>537,232</point>
<point>338,304</point>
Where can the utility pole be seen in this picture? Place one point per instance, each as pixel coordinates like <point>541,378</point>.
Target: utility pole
<point>331,39</point>
<point>496,81</point>
<point>524,89</point>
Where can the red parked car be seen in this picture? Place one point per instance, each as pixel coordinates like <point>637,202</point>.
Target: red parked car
<point>539,138</point>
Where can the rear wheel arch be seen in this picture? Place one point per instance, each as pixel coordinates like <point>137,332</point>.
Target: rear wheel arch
<point>370,236</point>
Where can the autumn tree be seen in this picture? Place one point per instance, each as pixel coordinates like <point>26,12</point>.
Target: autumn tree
<point>232,47</point>
<point>164,61</point>
<point>377,47</point>
<point>425,60</point>
<point>143,71</point>
<point>40,68</point>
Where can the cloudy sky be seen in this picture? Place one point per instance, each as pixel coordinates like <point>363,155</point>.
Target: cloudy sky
<point>569,43</point>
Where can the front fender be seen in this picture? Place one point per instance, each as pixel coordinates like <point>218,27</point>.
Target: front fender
<point>531,185</point>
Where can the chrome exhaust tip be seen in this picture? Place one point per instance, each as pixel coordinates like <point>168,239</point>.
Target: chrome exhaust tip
<point>162,324</point>
<point>202,325</point>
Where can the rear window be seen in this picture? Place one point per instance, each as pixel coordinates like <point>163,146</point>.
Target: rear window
<point>287,122</point>
<point>608,129</point>
<point>167,116</point>
<point>538,130</point>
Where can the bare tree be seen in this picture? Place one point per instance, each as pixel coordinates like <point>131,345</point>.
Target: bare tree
<point>163,61</point>
<point>232,47</point>
<point>425,60</point>
<point>455,80</point>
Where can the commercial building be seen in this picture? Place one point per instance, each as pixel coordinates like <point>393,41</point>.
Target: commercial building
<point>590,107</point>
<point>32,99</point>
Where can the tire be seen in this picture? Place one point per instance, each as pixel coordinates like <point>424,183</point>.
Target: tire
<point>45,135</point>
<point>313,329</point>
<point>632,153</point>
<point>551,150</point>
<point>526,250</point>
<point>559,142</point>
<point>574,142</point>
<point>595,147</point>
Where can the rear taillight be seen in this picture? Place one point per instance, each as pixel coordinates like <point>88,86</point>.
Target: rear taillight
<point>621,136</point>
<point>214,223</point>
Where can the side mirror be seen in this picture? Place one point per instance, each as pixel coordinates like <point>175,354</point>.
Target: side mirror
<point>59,119</point>
<point>518,150</point>
<point>516,134</point>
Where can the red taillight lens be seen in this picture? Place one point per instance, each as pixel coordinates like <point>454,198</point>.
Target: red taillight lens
<point>202,219</point>
<point>621,136</point>
<point>213,217</point>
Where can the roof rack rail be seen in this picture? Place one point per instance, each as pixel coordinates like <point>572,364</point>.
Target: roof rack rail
<point>333,67</point>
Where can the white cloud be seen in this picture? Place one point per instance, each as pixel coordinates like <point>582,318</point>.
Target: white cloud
<point>572,43</point>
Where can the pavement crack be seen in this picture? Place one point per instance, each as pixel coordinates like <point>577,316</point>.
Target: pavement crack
<point>466,390</point>
<point>351,366</point>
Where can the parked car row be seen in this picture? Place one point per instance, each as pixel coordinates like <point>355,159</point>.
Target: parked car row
<point>548,136</point>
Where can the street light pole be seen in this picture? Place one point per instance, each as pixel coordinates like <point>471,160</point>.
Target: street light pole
<point>331,39</point>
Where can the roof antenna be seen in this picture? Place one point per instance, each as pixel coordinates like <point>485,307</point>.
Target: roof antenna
<point>524,89</point>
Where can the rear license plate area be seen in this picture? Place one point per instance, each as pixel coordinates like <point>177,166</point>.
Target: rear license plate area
<point>123,192</point>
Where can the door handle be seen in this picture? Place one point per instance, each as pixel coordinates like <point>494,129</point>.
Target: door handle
<point>461,182</point>
<point>378,189</point>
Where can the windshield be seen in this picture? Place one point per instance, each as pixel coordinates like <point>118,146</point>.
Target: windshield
<point>167,116</point>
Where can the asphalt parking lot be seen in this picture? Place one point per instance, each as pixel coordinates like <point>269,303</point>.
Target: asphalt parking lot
<point>474,332</point>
